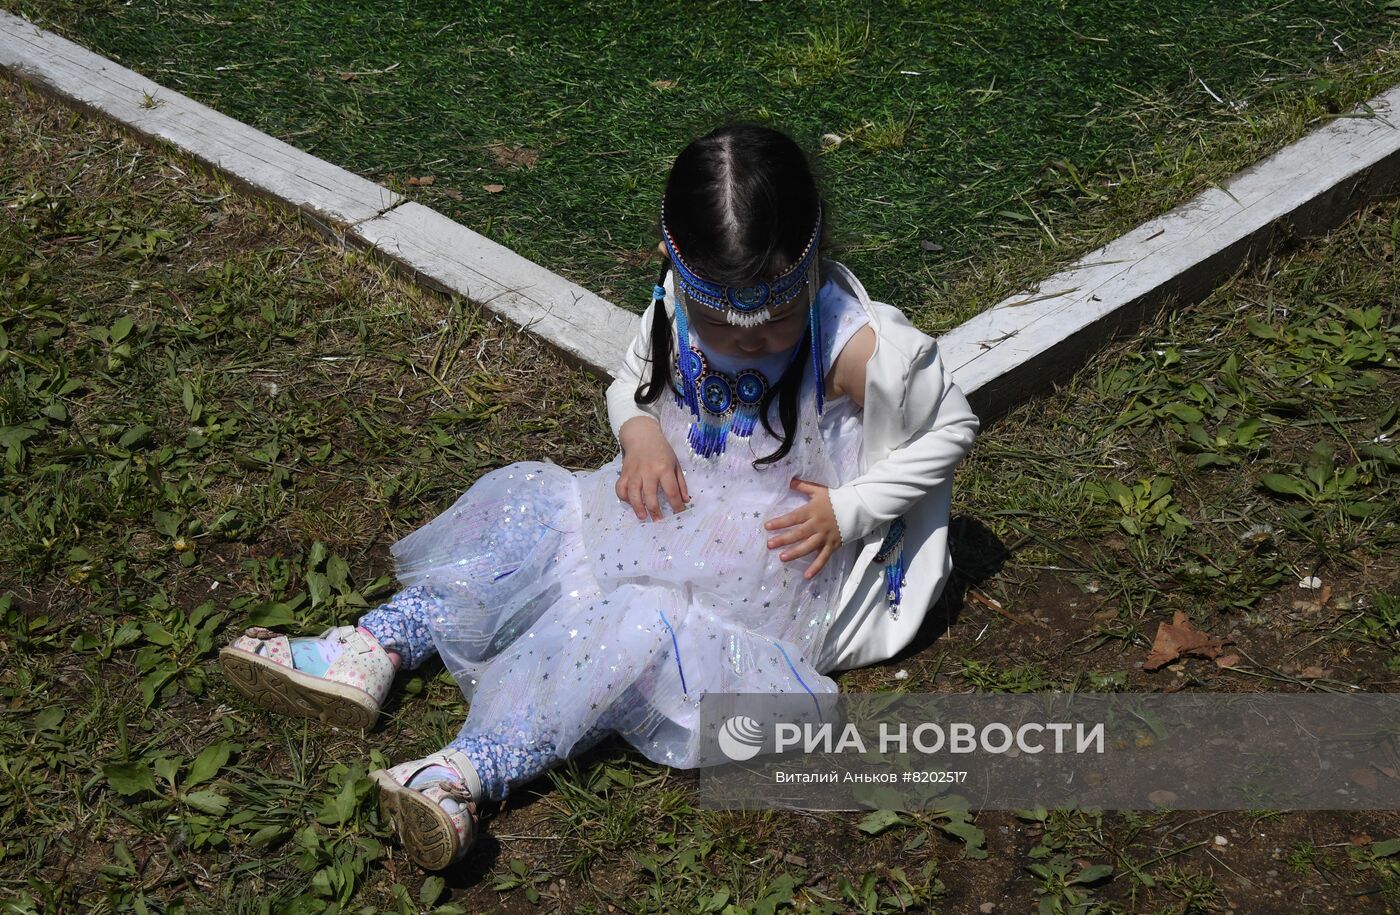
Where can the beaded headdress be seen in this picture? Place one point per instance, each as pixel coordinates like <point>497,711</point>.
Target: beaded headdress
<point>745,305</point>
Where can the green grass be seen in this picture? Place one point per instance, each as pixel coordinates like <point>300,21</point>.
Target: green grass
<point>1245,445</point>
<point>1010,136</point>
<point>210,418</point>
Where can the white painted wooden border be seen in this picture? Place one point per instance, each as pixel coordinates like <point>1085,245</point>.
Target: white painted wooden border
<point>1000,357</point>
<point>1030,340</point>
<point>253,158</point>
<point>588,330</point>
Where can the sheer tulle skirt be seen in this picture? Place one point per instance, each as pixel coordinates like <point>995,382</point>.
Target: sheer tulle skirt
<point>560,607</point>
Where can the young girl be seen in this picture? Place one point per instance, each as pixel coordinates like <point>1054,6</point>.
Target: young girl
<point>778,511</point>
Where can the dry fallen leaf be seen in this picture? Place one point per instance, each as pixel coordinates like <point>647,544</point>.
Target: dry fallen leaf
<point>1364,777</point>
<point>512,156</point>
<point>637,257</point>
<point>452,192</point>
<point>424,181</point>
<point>1313,606</point>
<point>664,83</point>
<point>349,77</point>
<point>1179,638</point>
<point>493,188</point>
<point>1227,660</point>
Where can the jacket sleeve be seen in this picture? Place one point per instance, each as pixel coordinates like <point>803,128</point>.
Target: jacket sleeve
<point>944,429</point>
<point>621,394</point>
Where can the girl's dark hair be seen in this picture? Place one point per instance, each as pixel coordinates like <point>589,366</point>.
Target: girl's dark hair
<point>740,203</point>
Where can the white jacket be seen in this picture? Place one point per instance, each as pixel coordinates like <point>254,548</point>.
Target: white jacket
<point>916,427</point>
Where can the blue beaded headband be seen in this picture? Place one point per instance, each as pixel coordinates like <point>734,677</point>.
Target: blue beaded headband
<point>745,305</point>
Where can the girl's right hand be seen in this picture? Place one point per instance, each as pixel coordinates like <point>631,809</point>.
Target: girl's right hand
<point>649,464</point>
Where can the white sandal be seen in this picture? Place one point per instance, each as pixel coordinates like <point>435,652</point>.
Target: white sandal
<point>433,836</point>
<point>348,695</point>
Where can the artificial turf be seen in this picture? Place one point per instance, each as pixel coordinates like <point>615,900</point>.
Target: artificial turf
<point>982,144</point>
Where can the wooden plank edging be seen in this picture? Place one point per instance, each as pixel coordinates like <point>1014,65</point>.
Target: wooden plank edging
<point>75,75</point>
<point>1015,349</point>
<point>589,331</point>
<point>1028,341</point>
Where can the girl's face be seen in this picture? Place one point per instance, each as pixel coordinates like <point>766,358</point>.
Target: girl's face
<point>777,335</point>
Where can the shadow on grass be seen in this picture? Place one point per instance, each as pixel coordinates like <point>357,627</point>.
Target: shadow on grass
<point>978,556</point>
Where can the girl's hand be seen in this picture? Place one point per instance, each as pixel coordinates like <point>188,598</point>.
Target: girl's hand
<point>649,463</point>
<point>814,525</point>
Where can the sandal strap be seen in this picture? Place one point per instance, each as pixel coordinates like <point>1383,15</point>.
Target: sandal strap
<point>463,764</point>
<point>453,759</point>
<point>362,663</point>
<point>265,643</point>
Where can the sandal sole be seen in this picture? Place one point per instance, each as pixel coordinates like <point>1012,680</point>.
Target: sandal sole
<point>287,691</point>
<point>424,828</point>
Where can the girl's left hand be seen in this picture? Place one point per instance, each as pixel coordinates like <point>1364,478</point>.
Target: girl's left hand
<point>814,525</point>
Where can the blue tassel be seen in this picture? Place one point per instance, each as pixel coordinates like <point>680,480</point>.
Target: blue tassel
<point>682,328</point>
<point>687,381</point>
<point>744,422</point>
<point>891,552</point>
<point>707,440</point>
<point>894,581</point>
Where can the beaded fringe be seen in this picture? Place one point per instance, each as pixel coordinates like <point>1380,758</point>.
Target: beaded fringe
<point>707,439</point>
<point>814,321</point>
<point>892,547</point>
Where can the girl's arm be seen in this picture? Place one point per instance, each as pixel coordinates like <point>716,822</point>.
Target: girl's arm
<point>848,372</point>
<point>622,404</point>
<point>649,463</point>
<point>946,428</point>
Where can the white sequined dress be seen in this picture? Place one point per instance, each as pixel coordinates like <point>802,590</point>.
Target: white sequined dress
<point>562,610</point>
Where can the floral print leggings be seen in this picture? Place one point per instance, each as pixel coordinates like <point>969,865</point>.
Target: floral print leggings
<point>503,758</point>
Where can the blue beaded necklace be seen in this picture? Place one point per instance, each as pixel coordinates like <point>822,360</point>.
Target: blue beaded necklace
<point>720,402</point>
